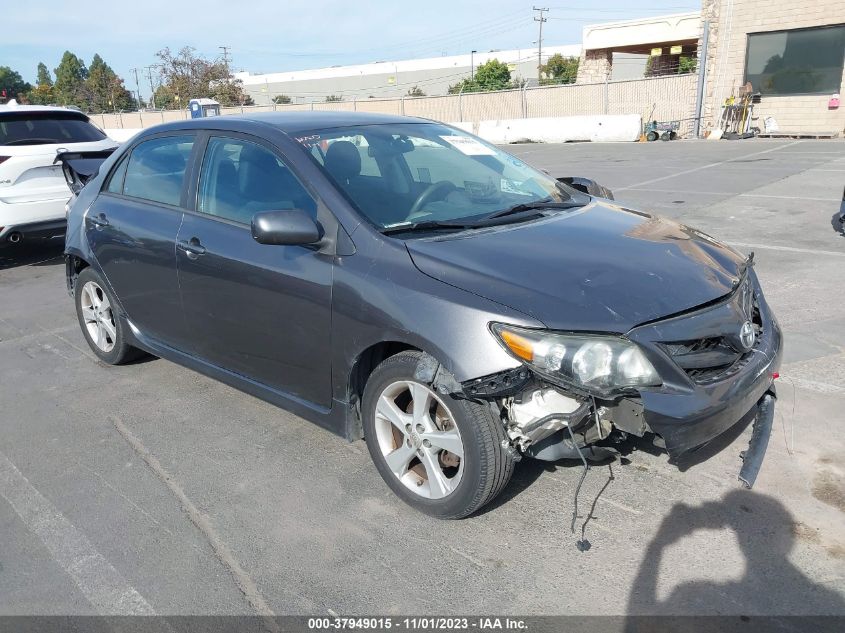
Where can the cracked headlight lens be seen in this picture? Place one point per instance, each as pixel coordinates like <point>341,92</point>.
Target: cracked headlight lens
<point>603,365</point>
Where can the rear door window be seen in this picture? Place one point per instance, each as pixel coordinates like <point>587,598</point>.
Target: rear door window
<point>47,128</point>
<point>115,184</point>
<point>156,169</point>
<point>240,178</point>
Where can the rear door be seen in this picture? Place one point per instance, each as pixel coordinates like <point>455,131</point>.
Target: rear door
<point>132,227</point>
<point>258,310</point>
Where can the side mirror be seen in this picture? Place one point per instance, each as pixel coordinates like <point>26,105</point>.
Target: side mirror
<point>287,227</point>
<point>587,186</point>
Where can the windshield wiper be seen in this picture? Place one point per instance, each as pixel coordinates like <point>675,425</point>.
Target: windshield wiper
<point>537,205</point>
<point>425,225</point>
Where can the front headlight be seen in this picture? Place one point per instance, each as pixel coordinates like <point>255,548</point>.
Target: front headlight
<point>602,365</point>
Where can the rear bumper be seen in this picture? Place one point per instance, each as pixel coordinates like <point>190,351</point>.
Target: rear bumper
<point>33,216</point>
<point>44,230</point>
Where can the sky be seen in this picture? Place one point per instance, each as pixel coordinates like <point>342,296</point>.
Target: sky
<point>287,35</point>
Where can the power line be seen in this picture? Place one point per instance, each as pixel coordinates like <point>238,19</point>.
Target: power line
<point>540,19</point>
<point>625,9</point>
<point>458,37</point>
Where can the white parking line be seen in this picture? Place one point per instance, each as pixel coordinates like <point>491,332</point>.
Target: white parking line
<point>225,555</point>
<point>788,249</point>
<point>731,194</point>
<point>708,166</point>
<point>101,584</point>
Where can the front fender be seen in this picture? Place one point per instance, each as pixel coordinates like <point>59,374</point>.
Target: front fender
<point>385,298</point>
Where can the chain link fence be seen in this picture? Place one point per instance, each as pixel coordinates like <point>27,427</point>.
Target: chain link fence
<point>667,98</point>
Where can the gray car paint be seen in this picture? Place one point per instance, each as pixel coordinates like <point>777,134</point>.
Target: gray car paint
<point>593,270</point>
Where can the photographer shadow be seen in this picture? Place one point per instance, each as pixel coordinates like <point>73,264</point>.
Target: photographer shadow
<point>771,584</point>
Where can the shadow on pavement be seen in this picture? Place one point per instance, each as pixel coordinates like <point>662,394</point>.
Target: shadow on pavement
<point>837,224</point>
<point>41,253</point>
<point>771,584</point>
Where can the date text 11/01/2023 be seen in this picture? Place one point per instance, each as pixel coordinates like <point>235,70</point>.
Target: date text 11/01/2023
<point>417,623</point>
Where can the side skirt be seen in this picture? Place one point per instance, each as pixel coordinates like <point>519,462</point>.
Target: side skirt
<point>333,419</point>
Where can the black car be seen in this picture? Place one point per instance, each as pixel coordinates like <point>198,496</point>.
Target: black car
<point>403,281</point>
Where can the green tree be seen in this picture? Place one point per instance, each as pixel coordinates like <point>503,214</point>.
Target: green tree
<point>416,91</point>
<point>13,85</point>
<point>333,98</point>
<point>106,89</point>
<point>559,70</point>
<point>687,64</point>
<point>69,87</point>
<point>44,76</point>
<point>280,99</point>
<point>42,93</point>
<point>492,75</point>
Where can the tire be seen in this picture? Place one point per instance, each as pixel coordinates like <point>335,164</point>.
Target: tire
<point>405,456</point>
<point>665,136</point>
<point>651,136</point>
<point>101,326</point>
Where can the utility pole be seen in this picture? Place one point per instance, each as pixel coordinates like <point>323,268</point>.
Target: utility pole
<point>472,65</point>
<point>152,88</point>
<point>137,88</point>
<point>225,50</point>
<point>540,19</point>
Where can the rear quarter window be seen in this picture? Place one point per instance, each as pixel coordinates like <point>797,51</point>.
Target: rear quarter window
<point>47,128</point>
<point>156,169</point>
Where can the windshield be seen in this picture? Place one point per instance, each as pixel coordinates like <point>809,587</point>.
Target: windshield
<point>424,173</point>
<point>48,127</point>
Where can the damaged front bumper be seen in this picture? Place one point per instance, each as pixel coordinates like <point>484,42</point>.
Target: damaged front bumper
<point>698,404</point>
<point>713,387</point>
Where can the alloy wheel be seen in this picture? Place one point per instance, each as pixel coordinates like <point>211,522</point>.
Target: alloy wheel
<point>418,437</point>
<point>98,316</point>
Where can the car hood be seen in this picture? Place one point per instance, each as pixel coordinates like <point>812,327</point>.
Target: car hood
<point>602,268</point>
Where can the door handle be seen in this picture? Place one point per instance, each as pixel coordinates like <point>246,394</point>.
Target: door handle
<point>100,220</point>
<point>192,248</point>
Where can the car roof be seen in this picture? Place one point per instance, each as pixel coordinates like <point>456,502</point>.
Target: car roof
<point>289,122</point>
<point>16,108</point>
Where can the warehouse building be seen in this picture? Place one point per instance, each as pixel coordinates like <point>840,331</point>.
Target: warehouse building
<point>788,55</point>
<point>387,79</point>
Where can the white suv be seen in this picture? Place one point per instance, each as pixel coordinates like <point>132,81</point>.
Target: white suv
<point>33,191</point>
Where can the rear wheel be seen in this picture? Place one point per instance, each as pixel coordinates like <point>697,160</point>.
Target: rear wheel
<point>443,456</point>
<point>97,313</point>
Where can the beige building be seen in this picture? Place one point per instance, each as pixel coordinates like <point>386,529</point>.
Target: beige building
<point>790,52</point>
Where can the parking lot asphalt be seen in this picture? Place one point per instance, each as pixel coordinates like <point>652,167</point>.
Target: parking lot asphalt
<point>151,489</point>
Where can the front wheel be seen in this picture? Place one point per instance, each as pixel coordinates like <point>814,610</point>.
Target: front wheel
<point>443,456</point>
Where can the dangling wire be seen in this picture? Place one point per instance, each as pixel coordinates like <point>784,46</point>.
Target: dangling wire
<point>580,544</point>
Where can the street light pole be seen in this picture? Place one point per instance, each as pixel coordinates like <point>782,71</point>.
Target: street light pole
<point>472,64</point>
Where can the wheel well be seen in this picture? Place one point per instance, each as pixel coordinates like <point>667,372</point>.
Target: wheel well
<point>74,266</point>
<point>368,360</point>
<point>364,365</point>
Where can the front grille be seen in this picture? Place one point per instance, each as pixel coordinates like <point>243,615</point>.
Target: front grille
<point>714,358</point>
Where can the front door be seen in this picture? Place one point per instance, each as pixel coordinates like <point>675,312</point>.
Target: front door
<point>258,310</point>
<point>131,228</point>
